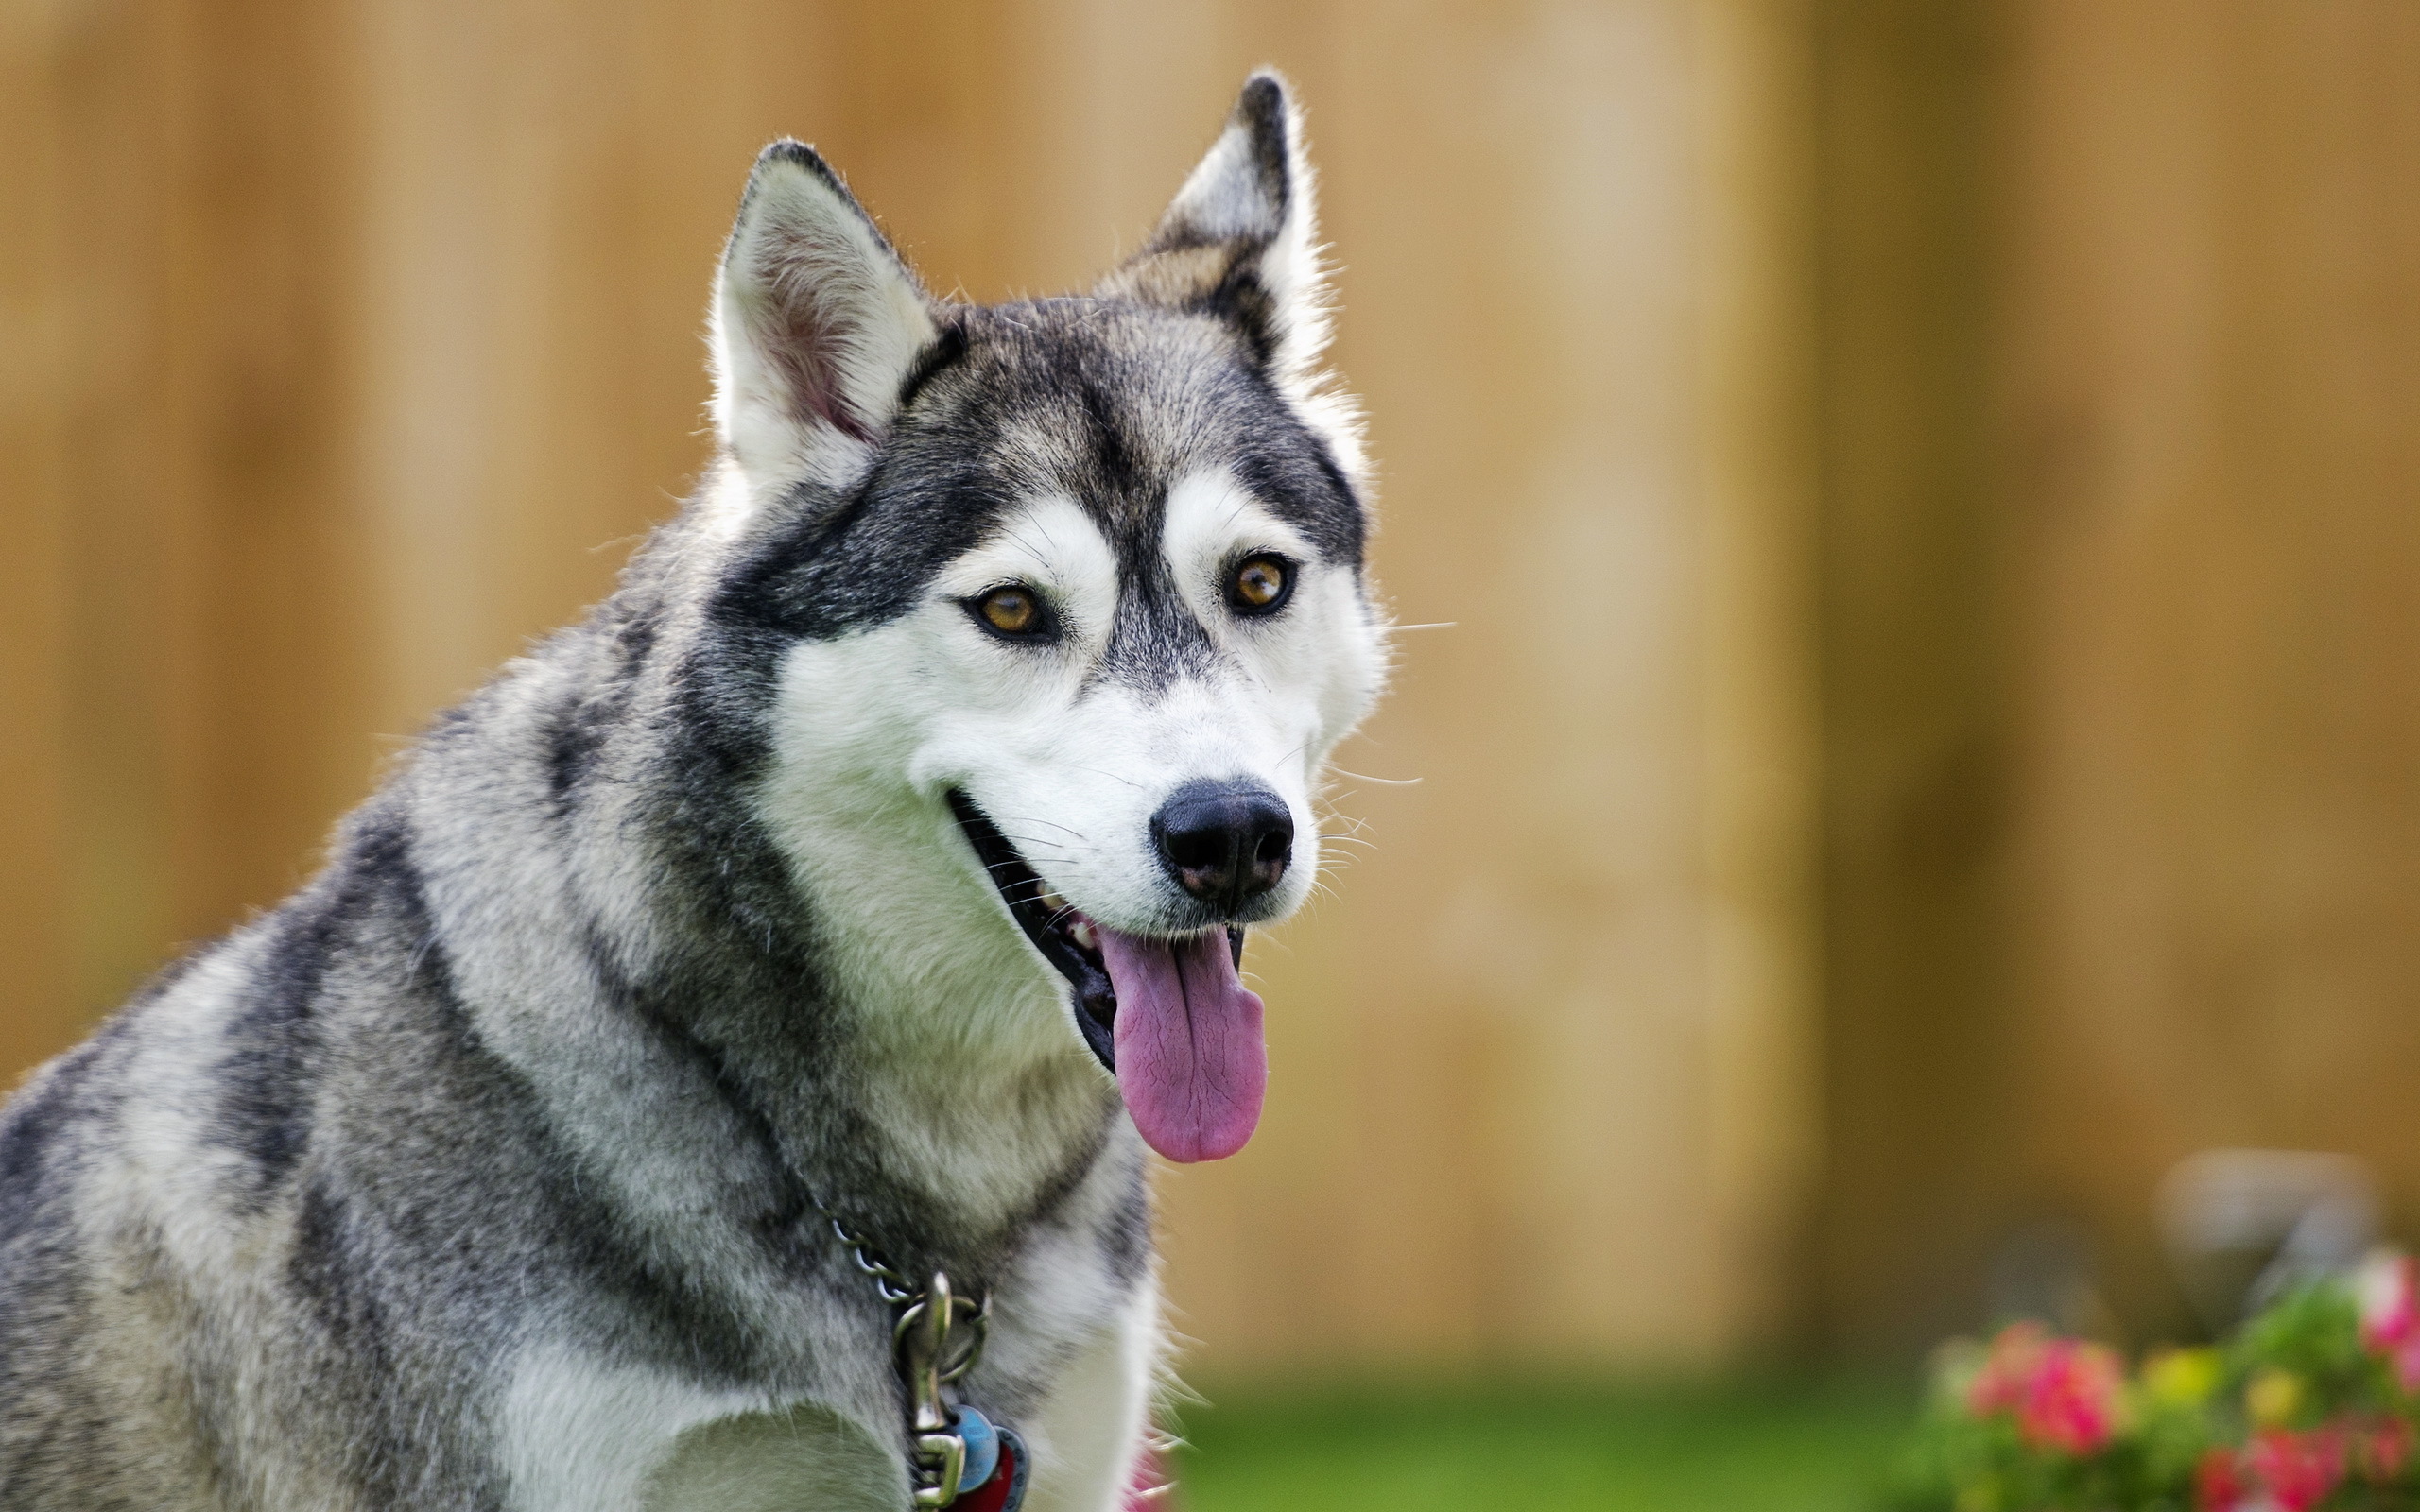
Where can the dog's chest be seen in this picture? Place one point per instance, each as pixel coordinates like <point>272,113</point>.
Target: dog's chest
<point>583,1432</point>
<point>805,1459</point>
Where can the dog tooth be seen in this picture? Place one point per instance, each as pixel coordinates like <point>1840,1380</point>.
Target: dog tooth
<point>1053,902</point>
<point>1081,932</point>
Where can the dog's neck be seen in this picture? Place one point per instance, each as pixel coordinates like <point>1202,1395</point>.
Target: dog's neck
<point>966,1067</point>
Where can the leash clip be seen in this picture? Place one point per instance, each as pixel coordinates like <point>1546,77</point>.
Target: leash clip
<point>939,1336</point>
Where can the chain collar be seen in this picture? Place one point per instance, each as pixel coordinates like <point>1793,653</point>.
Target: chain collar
<point>936,1336</point>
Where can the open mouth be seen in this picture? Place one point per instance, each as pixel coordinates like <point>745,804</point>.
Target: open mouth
<point>1066,938</point>
<point>1194,1063</point>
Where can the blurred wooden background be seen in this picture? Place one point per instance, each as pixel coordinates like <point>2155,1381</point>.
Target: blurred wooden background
<point>1921,489</point>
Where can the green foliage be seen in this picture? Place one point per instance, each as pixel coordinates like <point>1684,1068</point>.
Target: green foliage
<point>2314,1336</point>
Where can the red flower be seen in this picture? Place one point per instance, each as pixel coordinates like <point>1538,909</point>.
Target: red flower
<point>2298,1469</point>
<point>2219,1485</point>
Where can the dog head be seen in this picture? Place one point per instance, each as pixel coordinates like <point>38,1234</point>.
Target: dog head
<point>1069,604</point>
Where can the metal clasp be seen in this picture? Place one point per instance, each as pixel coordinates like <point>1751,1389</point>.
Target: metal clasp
<point>939,1336</point>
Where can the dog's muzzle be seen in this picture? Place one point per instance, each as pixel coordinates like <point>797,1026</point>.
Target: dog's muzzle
<point>1168,1014</point>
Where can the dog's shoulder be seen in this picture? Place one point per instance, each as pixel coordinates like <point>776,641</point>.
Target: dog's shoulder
<point>83,1420</point>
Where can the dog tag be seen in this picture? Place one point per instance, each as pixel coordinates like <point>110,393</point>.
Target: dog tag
<point>983,1448</point>
<point>1004,1490</point>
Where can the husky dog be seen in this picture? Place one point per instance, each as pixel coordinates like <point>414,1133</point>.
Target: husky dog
<point>877,859</point>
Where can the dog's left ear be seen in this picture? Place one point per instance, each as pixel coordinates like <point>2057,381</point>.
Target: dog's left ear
<point>816,323</point>
<point>1236,242</point>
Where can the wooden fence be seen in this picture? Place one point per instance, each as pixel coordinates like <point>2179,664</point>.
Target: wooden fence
<point>1919,490</point>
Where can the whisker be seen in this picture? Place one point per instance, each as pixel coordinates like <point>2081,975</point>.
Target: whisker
<point>1035,839</point>
<point>1033,551</point>
<point>1053,823</point>
<point>1389,781</point>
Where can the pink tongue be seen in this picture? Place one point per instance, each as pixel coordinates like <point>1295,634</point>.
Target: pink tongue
<point>1190,1058</point>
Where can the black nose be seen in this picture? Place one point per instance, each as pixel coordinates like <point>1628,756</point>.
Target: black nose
<point>1224,842</point>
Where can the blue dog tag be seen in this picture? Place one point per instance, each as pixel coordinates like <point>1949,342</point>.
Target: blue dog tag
<point>983,1448</point>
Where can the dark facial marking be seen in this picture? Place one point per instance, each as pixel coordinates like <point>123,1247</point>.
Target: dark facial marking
<point>1104,403</point>
<point>1155,641</point>
<point>938,355</point>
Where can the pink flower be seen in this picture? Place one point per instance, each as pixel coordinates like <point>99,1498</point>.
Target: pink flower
<point>2065,1393</point>
<point>2390,1314</point>
<point>2071,1403</point>
<point>2298,1469</point>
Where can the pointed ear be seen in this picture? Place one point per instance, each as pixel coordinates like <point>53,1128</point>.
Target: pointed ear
<point>817,323</point>
<point>1238,240</point>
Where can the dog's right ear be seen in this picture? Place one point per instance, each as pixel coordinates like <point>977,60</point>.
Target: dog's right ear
<point>1238,243</point>
<point>817,323</point>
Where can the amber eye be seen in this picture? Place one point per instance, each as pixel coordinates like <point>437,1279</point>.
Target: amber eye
<point>1012,611</point>
<point>1260,585</point>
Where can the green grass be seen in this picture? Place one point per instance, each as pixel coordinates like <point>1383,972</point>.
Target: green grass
<point>1477,1448</point>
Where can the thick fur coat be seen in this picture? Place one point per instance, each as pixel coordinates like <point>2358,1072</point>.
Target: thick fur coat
<point>483,1172</point>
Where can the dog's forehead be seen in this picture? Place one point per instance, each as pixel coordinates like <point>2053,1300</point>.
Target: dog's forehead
<point>1113,406</point>
<point>1102,403</point>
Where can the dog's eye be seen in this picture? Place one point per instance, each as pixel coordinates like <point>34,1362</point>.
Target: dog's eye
<point>1013,610</point>
<point>1260,584</point>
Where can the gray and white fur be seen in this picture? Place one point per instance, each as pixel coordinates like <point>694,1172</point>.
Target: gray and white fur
<point>477,1173</point>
